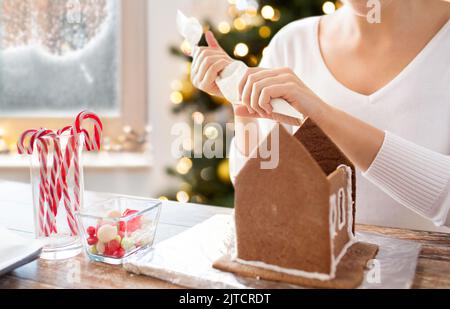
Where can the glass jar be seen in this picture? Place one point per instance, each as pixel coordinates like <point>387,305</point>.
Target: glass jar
<point>57,185</point>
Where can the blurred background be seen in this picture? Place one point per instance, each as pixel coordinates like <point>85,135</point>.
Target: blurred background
<point>125,61</point>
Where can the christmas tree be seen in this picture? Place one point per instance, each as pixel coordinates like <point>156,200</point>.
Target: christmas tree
<point>246,34</point>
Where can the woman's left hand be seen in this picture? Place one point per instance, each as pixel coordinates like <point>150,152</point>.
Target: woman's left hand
<point>259,88</point>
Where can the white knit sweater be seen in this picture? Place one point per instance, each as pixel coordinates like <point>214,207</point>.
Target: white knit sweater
<point>408,183</point>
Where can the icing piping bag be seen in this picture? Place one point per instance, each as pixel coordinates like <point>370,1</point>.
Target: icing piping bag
<point>228,81</point>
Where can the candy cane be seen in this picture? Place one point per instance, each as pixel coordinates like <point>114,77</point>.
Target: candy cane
<point>50,191</point>
<point>28,149</point>
<point>98,128</point>
<point>46,198</point>
<point>64,171</point>
<point>59,184</point>
<point>91,145</point>
<point>21,147</point>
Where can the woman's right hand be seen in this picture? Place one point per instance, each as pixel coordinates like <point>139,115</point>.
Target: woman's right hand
<point>208,62</point>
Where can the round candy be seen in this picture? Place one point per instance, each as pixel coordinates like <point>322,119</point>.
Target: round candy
<point>113,245</point>
<point>127,243</point>
<point>92,240</point>
<point>100,248</point>
<point>108,251</point>
<point>91,231</point>
<point>106,233</point>
<point>93,249</point>
<point>119,253</point>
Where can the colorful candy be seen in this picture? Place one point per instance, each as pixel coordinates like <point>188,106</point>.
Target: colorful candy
<point>91,231</point>
<point>93,240</point>
<point>107,233</point>
<point>116,238</point>
<point>127,243</point>
<point>100,248</point>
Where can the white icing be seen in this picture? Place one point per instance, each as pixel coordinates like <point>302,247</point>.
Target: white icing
<point>332,226</point>
<point>189,28</point>
<point>229,79</point>
<point>340,207</point>
<point>289,271</point>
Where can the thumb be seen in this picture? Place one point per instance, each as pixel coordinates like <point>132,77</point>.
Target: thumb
<point>211,40</point>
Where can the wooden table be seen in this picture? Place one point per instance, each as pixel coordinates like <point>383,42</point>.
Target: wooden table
<point>433,270</point>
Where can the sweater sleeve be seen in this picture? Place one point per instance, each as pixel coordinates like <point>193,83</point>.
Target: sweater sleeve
<point>414,176</point>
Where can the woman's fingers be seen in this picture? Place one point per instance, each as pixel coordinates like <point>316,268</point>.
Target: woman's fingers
<point>264,91</point>
<point>242,111</point>
<point>201,54</point>
<point>256,86</point>
<point>206,65</point>
<point>261,97</point>
<point>213,48</point>
<point>243,82</point>
<point>250,92</point>
<point>211,40</point>
<point>211,74</point>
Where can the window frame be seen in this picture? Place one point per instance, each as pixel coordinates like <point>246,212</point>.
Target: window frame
<point>133,78</point>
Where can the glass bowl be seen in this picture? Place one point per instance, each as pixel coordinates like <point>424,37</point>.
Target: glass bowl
<point>114,229</point>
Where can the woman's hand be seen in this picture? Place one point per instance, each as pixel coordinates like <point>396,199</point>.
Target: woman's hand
<point>260,86</point>
<point>357,139</point>
<point>208,63</point>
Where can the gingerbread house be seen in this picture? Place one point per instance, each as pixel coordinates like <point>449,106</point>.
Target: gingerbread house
<point>296,220</point>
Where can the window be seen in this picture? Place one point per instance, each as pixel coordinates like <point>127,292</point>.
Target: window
<point>333,212</point>
<point>341,208</point>
<point>58,57</point>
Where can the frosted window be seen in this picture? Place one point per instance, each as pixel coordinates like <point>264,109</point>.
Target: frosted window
<point>59,56</point>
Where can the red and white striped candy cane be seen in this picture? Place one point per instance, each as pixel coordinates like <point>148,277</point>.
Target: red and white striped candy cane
<point>45,199</point>
<point>43,138</point>
<point>27,148</point>
<point>64,172</point>
<point>91,145</point>
<point>59,183</point>
<point>22,146</point>
<point>84,116</point>
<point>54,197</point>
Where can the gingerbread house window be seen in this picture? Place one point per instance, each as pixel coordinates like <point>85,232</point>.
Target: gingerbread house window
<point>333,210</point>
<point>341,208</point>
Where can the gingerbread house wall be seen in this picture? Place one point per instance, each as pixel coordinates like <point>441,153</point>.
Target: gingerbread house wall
<point>341,215</point>
<point>325,153</point>
<point>282,214</point>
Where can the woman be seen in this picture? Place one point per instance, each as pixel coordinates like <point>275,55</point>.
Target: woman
<point>379,91</point>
